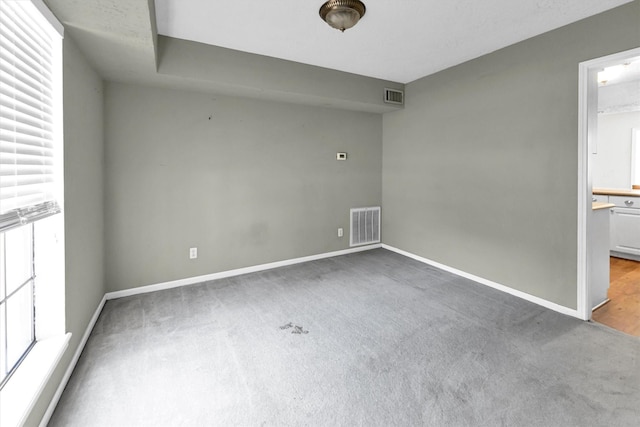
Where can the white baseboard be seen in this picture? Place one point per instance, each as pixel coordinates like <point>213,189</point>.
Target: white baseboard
<point>172,284</point>
<point>624,255</point>
<point>269,266</point>
<point>536,300</point>
<point>231,273</point>
<point>65,379</point>
<point>600,305</point>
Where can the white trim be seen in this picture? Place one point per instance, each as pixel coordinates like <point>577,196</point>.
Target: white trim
<point>583,300</point>
<point>23,389</point>
<point>49,16</point>
<point>230,273</point>
<point>625,255</point>
<point>600,305</point>
<point>65,379</point>
<point>584,172</point>
<point>536,300</point>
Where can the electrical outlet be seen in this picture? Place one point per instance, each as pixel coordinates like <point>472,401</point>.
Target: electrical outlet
<point>341,156</point>
<point>340,232</point>
<point>193,253</point>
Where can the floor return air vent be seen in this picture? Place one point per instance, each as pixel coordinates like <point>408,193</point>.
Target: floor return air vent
<point>365,226</point>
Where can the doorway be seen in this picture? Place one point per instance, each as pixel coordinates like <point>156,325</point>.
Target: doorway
<point>612,70</point>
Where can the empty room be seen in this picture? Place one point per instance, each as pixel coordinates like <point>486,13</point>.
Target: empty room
<point>366,213</point>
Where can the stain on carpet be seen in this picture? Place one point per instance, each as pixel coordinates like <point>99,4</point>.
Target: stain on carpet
<point>296,329</point>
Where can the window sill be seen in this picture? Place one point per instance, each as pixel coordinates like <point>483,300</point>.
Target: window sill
<point>22,390</point>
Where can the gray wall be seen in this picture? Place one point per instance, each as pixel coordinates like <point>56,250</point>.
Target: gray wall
<point>205,68</point>
<point>246,181</point>
<point>480,168</point>
<point>84,225</point>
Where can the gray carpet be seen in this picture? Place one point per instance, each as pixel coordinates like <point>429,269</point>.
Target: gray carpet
<point>369,339</point>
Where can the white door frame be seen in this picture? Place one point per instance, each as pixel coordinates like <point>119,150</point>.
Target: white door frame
<point>587,128</point>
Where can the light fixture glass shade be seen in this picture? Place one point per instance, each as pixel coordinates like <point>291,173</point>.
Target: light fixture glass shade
<point>342,14</point>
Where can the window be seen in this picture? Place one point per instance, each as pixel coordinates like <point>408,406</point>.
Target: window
<point>16,297</point>
<point>30,129</point>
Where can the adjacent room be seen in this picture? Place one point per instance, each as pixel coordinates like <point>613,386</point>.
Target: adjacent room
<point>313,213</point>
<point>615,165</point>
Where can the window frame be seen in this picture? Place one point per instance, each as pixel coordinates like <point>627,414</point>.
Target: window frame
<point>21,391</point>
<point>8,366</point>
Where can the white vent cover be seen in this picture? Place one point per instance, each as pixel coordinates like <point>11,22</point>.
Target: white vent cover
<point>393,96</point>
<point>365,226</point>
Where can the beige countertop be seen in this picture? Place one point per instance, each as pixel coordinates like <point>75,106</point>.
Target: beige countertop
<point>617,192</point>
<point>601,205</point>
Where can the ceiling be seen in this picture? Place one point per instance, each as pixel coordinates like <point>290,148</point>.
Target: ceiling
<point>619,88</point>
<point>625,72</point>
<point>282,51</point>
<point>397,40</point>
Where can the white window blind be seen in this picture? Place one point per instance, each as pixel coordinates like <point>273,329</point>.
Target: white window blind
<point>27,115</point>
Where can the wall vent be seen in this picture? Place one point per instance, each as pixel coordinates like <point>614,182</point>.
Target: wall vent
<point>365,226</point>
<point>393,96</point>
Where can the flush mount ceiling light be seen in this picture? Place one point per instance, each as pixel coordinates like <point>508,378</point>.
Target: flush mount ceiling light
<point>342,14</point>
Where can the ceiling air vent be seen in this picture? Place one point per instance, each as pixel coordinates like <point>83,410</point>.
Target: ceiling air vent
<point>393,96</point>
<point>365,226</point>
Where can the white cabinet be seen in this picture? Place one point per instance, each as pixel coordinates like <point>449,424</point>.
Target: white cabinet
<point>598,257</point>
<point>600,198</point>
<point>625,226</point>
<point>625,201</point>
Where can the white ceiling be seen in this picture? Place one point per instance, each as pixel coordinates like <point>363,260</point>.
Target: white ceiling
<point>619,88</point>
<point>621,73</point>
<point>397,40</point>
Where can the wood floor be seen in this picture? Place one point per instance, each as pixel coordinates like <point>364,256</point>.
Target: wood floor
<point>623,311</point>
